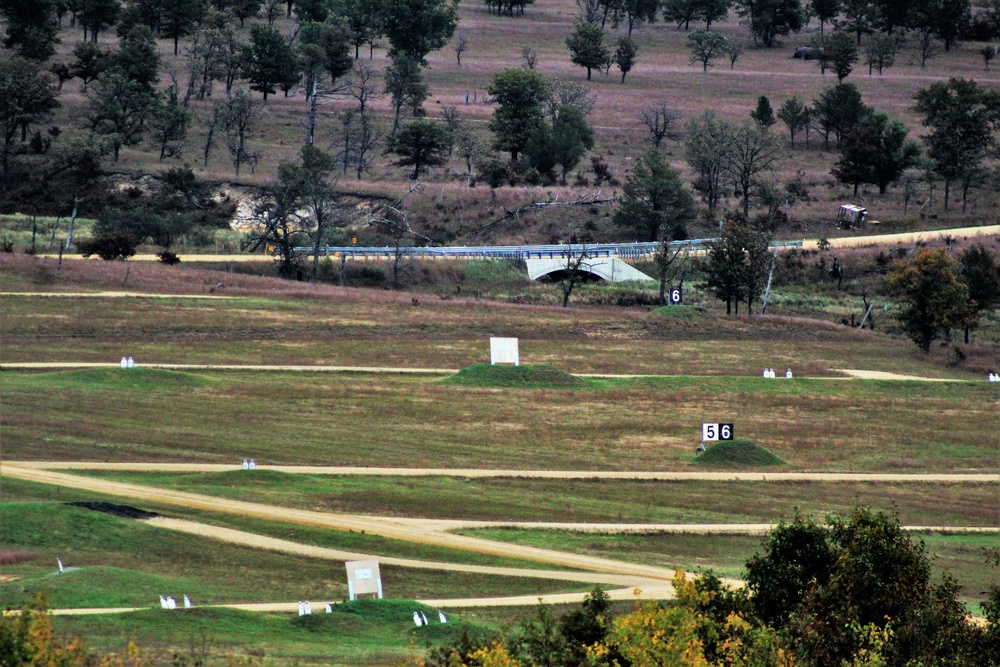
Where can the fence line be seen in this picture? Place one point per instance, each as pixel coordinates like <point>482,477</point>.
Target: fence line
<point>556,251</point>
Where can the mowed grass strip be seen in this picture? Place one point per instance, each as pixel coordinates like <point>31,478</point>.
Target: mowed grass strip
<point>122,562</point>
<point>590,501</point>
<point>385,420</point>
<point>963,556</point>
<point>363,632</point>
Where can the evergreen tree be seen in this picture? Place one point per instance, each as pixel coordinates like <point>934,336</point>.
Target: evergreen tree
<point>268,61</point>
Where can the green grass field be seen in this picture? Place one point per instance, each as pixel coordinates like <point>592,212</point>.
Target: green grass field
<point>962,556</point>
<point>640,424</point>
<point>356,633</point>
<point>123,562</point>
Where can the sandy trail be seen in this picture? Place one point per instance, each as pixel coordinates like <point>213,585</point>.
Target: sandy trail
<point>285,546</point>
<point>658,591</point>
<point>408,530</point>
<point>883,375</point>
<point>389,370</point>
<point>476,473</point>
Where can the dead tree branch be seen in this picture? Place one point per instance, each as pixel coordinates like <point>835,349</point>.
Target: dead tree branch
<point>588,200</point>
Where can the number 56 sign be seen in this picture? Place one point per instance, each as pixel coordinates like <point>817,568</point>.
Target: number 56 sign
<point>711,432</point>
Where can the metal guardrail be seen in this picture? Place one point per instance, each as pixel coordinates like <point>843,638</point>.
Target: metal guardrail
<point>557,251</point>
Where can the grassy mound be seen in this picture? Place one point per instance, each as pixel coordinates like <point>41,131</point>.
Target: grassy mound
<point>531,376</point>
<point>738,453</point>
<point>133,379</point>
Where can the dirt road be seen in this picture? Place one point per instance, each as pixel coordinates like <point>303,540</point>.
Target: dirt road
<point>473,473</point>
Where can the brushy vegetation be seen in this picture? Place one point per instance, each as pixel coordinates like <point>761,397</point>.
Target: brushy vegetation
<point>738,454</point>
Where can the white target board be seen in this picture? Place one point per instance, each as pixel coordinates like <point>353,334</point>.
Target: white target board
<point>712,431</point>
<point>363,578</point>
<point>504,351</point>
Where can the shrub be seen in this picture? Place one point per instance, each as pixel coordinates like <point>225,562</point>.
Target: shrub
<point>114,245</point>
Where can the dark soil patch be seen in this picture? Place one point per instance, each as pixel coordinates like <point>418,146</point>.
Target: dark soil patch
<point>123,511</point>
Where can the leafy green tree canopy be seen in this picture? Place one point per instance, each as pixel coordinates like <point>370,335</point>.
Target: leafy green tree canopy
<point>932,297</point>
<point>586,47</point>
<point>519,95</point>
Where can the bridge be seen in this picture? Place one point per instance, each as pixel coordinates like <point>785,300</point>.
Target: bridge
<point>613,269</point>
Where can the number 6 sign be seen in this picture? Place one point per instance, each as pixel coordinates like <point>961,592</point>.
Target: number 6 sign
<point>676,296</point>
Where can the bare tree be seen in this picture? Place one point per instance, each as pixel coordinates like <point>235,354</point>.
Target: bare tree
<point>469,146</point>
<point>661,121</point>
<point>362,137</point>
<point>212,122</point>
<point>736,49</point>
<point>272,10</point>
<point>572,275</point>
<point>927,46</point>
<point>239,120</point>
<point>452,123</point>
<point>671,265</point>
<point>568,93</point>
<point>754,150</point>
<point>590,11</point>
<point>911,180</point>
<point>461,44</point>
<point>363,85</point>
<point>392,221</point>
<point>530,57</point>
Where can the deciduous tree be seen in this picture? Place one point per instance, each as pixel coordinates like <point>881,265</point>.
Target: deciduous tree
<point>980,272</point>
<point>519,95</point>
<point>625,54</point>
<point>932,298</point>
<point>963,119</point>
<point>770,19</point>
<point>840,54</point>
<point>875,152</point>
<point>32,31</point>
<point>706,46</point>
<point>586,47</point>
<point>418,27</point>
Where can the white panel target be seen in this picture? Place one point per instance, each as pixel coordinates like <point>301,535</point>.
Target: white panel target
<point>504,351</point>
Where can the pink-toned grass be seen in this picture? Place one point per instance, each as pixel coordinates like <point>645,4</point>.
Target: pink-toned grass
<point>15,556</point>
